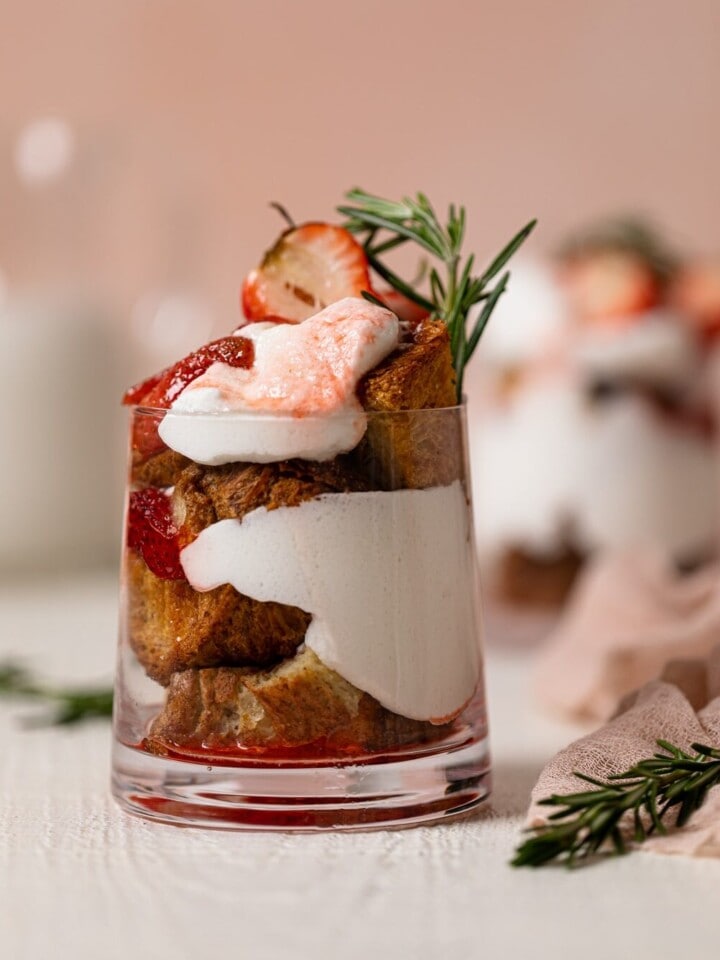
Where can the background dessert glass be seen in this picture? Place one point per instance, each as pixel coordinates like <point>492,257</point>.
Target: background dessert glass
<point>340,685</point>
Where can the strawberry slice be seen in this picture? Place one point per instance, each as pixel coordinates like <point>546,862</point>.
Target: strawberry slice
<point>696,293</point>
<point>403,307</point>
<point>135,395</point>
<point>153,534</point>
<point>159,391</point>
<point>309,267</point>
<point>610,287</point>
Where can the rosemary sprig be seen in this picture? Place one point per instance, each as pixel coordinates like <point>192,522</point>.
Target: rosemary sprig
<point>630,805</point>
<point>71,705</point>
<point>451,295</point>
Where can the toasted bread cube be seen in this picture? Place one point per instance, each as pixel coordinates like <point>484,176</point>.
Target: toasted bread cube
<point>172,626</point>
<point>161,470</point>
<point>407,449</point>
<point>300,701</point>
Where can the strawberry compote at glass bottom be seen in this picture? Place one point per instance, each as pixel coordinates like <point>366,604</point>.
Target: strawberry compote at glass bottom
<point>300,641</point>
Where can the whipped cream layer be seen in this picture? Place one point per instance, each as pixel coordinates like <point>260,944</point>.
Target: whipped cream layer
<point>299,397</point>
<point>389,579</point>
<point>658,349</point>
<point>618,474</point>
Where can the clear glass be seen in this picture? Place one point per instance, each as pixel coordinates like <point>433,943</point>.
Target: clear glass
<point>300,641</point>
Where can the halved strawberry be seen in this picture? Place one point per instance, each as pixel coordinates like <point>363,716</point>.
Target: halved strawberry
<point>159,391</point>
<point>309,267</point>
<point>153,534</point>
<point>695,292</point>
<point>610,287</point>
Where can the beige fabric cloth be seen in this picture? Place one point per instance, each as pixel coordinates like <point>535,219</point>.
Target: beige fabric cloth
<point>630,614</point>
<point>682,707</point>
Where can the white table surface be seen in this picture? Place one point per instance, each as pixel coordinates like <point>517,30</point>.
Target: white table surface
<point>79,879</point>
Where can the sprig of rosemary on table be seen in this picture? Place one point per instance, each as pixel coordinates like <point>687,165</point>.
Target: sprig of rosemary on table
<point>450,296</point>
<point>71,704</point>
<point>597,821</point>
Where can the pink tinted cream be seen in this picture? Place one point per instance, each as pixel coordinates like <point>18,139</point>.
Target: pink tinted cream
<point>299,397</point>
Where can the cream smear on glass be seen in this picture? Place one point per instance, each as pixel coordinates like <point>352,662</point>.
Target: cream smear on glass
<point>389,578</point>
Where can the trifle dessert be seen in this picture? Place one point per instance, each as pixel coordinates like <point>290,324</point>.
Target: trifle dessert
<point>300,637</point>
<point>605,411</point>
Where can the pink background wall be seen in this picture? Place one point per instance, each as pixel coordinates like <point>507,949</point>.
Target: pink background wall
<point>189,116</point>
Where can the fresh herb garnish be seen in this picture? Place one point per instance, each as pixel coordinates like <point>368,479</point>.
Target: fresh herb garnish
<point>71,704</point>
<point>627,806</point>
<point>451,295</point>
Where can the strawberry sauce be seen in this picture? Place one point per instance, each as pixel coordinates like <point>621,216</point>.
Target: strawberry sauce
<point>159,391</point>
<point>152,532</point>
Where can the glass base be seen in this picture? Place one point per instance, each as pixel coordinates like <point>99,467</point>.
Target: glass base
<point>374,794</point>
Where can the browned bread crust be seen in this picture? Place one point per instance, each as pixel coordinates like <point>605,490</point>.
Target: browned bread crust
<point>231,491</point>
<point>533,580</point>
<point>298,702</point>
<point>417,376</point>
<point>406,450</point>
<point>172,626</point>
<point>161,470</point>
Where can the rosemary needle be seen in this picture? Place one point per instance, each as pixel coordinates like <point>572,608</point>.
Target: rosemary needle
<point>71,704</point>
<point>451,295</point>
<point>626,806</point>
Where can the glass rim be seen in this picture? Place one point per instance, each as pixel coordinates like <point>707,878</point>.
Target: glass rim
<point>135,408</point>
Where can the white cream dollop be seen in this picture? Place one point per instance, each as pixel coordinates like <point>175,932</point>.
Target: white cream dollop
<point>616,474</point>
<point>660,351</point>
<point>298,399</point>
<point>389,578</point>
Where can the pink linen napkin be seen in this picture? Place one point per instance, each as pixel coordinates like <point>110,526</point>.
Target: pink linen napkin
<point>682,707</point>
<point>630,614</point>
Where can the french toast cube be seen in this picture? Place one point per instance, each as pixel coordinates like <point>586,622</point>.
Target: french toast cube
<point>297,702</point>
<point>406,449</point>
<point>173,627</point>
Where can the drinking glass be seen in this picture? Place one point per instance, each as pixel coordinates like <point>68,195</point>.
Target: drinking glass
<point>300,641</point>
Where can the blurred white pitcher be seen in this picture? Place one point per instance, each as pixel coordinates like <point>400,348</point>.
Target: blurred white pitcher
<point>59,416</point>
